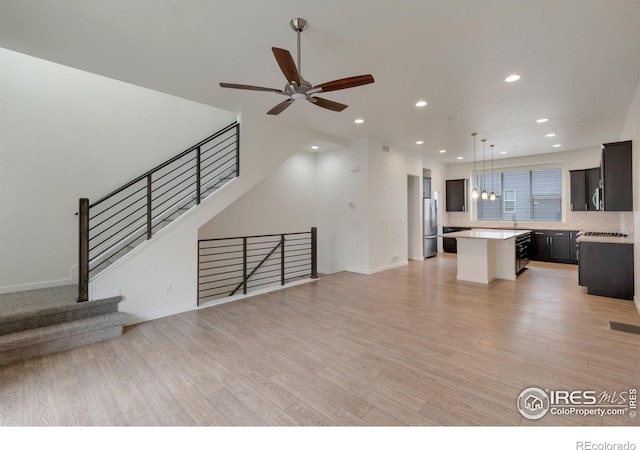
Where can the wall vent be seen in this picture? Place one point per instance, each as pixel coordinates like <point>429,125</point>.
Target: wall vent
<point>394,259</point>
<point>385,148</point>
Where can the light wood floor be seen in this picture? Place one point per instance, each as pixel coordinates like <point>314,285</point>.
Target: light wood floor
<point>409,346</point>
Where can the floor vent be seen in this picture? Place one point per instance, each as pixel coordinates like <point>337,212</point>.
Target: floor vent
<point>624,327</point>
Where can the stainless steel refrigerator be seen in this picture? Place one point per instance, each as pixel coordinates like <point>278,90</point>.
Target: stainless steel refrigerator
<point>430,208</point>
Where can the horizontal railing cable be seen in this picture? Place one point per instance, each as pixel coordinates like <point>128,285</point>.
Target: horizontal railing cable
<point>228,266</point>
<point>131,214</point>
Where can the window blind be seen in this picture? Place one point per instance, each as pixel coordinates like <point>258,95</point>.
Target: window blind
<point>527,196</point>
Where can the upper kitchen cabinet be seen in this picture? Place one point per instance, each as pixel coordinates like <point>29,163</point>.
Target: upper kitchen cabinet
<point>456,195</point>
<point>585,189</point>
<point>616,174</point>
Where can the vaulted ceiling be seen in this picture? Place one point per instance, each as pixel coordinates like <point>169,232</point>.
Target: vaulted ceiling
<point>579,61</point>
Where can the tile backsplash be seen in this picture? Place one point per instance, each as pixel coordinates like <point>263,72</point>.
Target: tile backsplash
<point>620,222</point>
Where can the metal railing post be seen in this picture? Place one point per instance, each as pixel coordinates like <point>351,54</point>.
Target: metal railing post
<point>149,209</point>
<point>237,149</point>
<point>282,259</point>
<point>83,253</point>
<point>198,193</point>
<point>244,265</point>
<point>314,252</point>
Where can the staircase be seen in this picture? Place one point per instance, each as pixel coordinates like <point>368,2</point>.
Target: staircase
<point>43,321</point>
<point>114,225</point>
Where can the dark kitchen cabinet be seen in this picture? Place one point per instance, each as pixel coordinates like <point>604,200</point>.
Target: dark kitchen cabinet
<point>616,174</point>
<point>578,182</point>
<point>606,269</point>
<point>554,246</point>
<point>456,195</point>
<point>540,244</point>
<point>450,245</point>
<point>585,189</point>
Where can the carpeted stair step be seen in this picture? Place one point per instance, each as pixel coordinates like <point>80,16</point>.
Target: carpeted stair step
<point>16,317</point>
<point>26,344</point>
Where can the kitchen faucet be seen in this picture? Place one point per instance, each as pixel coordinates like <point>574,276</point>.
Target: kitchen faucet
<point>515,221</point>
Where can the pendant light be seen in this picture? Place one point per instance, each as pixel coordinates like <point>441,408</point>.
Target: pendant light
<point>484,194</point>
<point>492,196</point>
<point>474,192</point>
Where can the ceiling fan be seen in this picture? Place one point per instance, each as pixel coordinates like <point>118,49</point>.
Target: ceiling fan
<point>297,88</point>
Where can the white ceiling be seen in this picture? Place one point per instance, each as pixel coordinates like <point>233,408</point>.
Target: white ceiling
<point>579,61</point>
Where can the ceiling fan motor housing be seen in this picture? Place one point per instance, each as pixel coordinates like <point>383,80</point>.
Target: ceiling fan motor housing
<point>298,92</point>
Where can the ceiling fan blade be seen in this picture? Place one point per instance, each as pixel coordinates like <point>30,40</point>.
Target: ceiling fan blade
<point>251,88</point>
<point>287,65</point>
<point>280,107</point>
<point>345,83</point>
<point>327,104</point>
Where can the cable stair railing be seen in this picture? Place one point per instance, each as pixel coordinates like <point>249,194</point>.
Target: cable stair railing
<point>247,263</point>
<point>114,225</point>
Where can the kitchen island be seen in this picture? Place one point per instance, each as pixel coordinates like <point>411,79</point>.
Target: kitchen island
<point>485,255</point>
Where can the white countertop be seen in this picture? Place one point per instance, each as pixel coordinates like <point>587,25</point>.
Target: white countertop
<point>486,234</point>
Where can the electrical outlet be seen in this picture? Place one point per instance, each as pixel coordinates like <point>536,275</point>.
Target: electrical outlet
<point>167,290</point>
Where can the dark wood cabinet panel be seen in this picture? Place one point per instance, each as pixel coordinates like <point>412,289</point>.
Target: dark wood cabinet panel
<point>617,179</point>
<point>585,189</point>
<point>450,245</point>
<point>554,246</point>
<point>560,248</point>
<point>540,244</point>
<point>456,195</point>
<point>607,269</point>
<point>578,180</point>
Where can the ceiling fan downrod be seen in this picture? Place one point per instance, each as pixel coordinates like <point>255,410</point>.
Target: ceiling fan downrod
<point>298,24</point>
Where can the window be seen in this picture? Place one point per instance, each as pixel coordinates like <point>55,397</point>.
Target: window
<point>509,201</point>
<point>528,196</point>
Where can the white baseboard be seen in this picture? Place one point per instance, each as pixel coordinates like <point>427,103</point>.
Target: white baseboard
<point>377,270</point>
<point>480,280</point>
<point>40,285</point>
<point>637,303</point>
<point>357,270</point>
<point>73,279</point>
<point>132,319</point>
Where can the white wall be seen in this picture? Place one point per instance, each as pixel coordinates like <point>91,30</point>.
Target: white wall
<point>283,202</point>
<point>66,134</point>
<point>569,160</point>
<point>159,277</point>
<point>360,206</point>
<point>388,229</point>
<point>342,178</point>
<point>631,131</point>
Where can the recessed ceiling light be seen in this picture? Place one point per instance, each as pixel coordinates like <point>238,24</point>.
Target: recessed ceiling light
<point>359,121</point>
<point>314,147</point>
<point>419,142</point>
<point>512,78</point>
<point>442,151</point>
<point>556,145</point>
<point>421,103</point>
<point>460,157</point>
<point>550,135</point>
<point>503,153</point>
<point>541,120</point>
